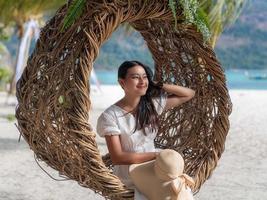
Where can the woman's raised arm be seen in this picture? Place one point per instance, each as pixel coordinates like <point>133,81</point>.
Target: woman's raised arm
<point>178,95</point>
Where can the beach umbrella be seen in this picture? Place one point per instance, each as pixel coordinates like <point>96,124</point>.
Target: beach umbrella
<point>54,92</point>
<point>31,31</point>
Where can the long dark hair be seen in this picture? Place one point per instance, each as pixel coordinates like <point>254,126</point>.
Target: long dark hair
<point>146,114</point>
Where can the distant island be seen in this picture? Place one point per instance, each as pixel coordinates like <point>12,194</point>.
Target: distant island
<point>244,44</point>
<point>241,46</point>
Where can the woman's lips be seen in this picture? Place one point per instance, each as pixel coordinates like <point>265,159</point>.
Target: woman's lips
<point>141,87</point>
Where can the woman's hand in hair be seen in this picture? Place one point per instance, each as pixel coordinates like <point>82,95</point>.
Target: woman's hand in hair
<point>178,95</point>
<point>157,84</point>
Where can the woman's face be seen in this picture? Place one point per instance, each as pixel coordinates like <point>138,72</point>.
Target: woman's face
<point>135,82</point>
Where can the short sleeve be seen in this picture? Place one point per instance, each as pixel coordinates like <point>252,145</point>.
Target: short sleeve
<point>106,125</point>
<point>160,102</point>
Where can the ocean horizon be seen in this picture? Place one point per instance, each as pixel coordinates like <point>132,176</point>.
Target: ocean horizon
<point>235,78</point>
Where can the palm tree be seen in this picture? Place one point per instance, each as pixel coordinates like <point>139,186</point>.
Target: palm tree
<point>220,14</point>
<point>15,13</point>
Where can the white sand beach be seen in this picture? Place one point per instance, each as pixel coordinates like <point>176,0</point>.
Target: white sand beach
<point>240,174</point>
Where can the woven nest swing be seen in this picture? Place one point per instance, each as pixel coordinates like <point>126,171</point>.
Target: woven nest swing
<point>54,93</point>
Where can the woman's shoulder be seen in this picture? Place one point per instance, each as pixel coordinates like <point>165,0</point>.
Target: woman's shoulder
<point>107,123</point>
<point>110,111</point>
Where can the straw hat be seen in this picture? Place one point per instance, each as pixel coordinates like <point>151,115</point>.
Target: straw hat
<point>162,178</point>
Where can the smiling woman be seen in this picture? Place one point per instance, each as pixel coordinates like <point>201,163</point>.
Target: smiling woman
<point>54,94</point>
<point>131,124</point>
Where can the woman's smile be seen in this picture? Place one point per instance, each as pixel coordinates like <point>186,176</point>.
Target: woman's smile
<point>141,86</point>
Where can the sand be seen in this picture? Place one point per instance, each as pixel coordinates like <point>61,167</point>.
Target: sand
<point>240,174</point>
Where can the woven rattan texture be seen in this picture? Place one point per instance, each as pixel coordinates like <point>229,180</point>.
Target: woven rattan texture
<point>54,93</point>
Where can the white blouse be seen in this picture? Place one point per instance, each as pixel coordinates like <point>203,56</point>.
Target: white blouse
<point>116,121</point>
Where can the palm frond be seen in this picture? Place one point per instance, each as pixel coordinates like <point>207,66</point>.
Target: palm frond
<point>172,5</point>
<point>221,13</point>
<point>75,10</point>
<point>18,12</point>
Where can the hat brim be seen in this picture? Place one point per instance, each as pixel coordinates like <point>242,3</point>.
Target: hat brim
<point>145,180</point>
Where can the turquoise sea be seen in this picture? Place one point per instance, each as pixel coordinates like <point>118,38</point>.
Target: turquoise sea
<point>236,79</point>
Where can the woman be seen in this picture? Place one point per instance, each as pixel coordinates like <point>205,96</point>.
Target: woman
<point>130,125</point>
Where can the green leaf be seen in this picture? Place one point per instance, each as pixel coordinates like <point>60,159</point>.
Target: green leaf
<point>221,13</point>
<point>193,14</point>
<point>172,5</point>
<point>11,117</point>
<point>5,75</point>
<point>75,11</point>
<point>202,15</point>
<point>61,99</point>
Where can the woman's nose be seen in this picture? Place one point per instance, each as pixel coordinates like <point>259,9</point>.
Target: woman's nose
<point>141,79</point>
